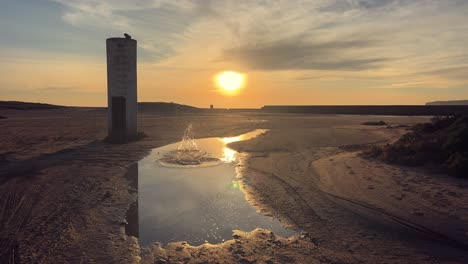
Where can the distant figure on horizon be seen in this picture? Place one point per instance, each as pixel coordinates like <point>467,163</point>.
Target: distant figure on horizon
<point>127,36</point>
<point>211,107</point>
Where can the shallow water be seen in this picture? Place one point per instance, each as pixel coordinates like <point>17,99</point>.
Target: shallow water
<point>197,204</point>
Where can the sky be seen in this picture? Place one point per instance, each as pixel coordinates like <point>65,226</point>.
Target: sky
<point>320,52</point>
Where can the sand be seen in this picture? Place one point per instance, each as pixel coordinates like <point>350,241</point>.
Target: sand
<point>304,171</point>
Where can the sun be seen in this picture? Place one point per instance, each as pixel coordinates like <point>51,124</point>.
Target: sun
<point>230,81</point>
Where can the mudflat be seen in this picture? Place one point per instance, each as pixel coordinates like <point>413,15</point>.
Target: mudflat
<point>305,171</point>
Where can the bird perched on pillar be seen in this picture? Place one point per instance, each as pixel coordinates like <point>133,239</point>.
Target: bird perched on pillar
<point>127,36</point>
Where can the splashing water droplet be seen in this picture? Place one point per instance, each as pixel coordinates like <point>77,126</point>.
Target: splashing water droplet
<point>188,144</point>
<point>188,152</point>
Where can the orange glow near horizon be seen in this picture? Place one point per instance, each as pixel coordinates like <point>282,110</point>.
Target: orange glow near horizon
<point>73,81</point>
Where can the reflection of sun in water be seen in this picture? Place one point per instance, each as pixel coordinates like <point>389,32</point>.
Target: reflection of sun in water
<point>228,140</point>
<point>230,81</point>
<point>229,155</point>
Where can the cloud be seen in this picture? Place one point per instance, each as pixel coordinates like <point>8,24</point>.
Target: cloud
<point>342,6</point>
<point>55,89</point>
<point>384,38</point>
<point>298,54</point>
<point>158,25</point>
<point>455,73</point>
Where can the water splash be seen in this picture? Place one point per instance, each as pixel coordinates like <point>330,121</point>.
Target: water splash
<point>188,152</point>
<point>188,144</point>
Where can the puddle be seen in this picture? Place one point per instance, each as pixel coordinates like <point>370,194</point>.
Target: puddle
<point>197,204</point>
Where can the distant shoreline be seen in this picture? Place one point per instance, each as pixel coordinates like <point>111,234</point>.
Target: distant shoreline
<point>174,108</point>
<point>395,110</point>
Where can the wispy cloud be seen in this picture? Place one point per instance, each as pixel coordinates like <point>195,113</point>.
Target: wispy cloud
<point>342,6</point>
<point>457,73</point>
<point>289,35</point>
<point>57,89</point>
<point>296,53</point>
<point>158,25</point>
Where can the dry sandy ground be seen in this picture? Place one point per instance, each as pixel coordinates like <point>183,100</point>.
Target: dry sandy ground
<point>303,171</point>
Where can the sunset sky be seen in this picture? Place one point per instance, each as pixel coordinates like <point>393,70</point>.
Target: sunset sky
<point>292,52</point>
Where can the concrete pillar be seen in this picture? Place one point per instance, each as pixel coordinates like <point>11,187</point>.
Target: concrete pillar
<point>122,88</point>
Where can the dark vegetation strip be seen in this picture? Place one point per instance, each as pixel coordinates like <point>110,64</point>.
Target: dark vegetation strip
<point>441,144</point>
<point>15,214</point>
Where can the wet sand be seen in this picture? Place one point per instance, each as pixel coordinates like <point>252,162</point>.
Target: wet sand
<point>304,171</point>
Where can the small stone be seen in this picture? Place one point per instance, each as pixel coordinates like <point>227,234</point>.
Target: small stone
<point>305,235</point>
<point>245,261</point>
<point>315,241</point>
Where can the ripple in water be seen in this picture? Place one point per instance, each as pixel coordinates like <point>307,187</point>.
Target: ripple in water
<point>193,193</point>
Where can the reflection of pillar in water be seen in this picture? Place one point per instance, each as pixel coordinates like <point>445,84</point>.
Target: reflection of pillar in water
<point>132,227</point>
<point>9,250</point>
<point>122,88</point>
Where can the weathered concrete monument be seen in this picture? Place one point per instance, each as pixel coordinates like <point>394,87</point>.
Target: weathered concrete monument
<point>122,88</point>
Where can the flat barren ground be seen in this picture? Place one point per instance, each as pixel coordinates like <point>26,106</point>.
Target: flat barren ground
<point>304,171</point>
